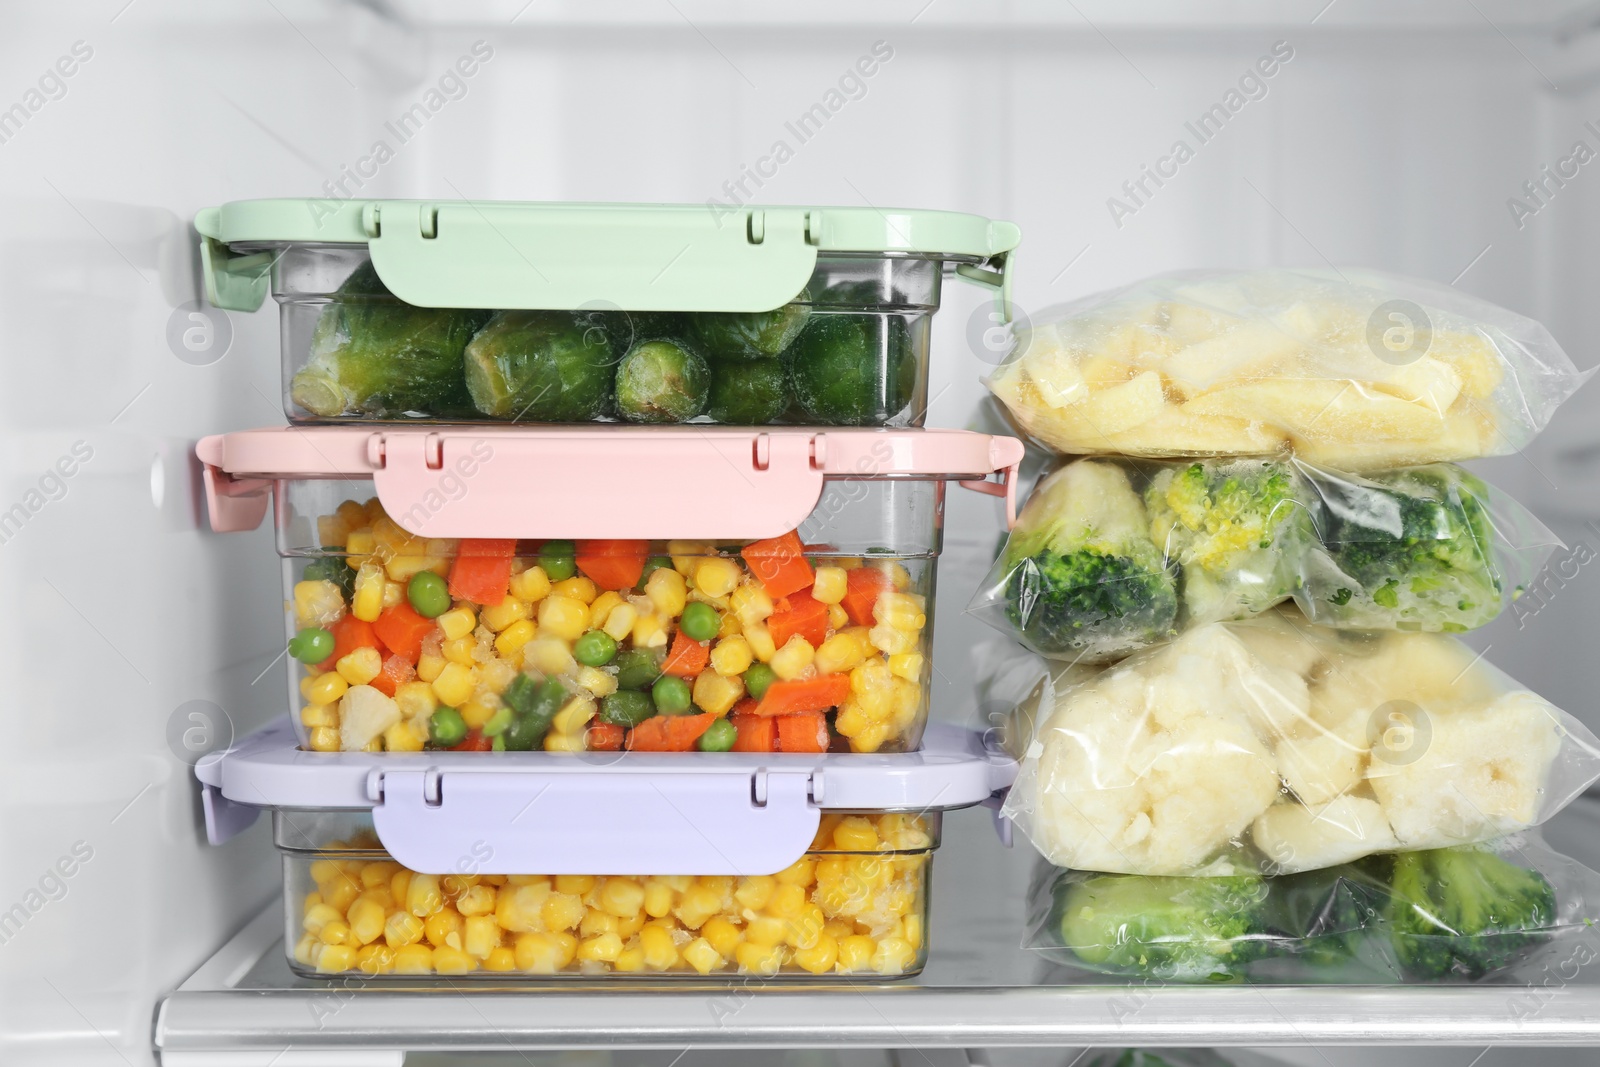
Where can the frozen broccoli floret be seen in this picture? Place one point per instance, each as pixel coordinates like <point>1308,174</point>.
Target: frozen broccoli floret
<point>1082,574</point>
<point>1171,929</point>
<point>1413,549</point>
<point>373,354</point>
<point>852,369</point>
<point>748,394</point>
<point>1466,913</point>
<point>1229,525</point>
<point>540,366</point>
<point>662,381</point>
<point>1326,916</point>
<point>750,336</point>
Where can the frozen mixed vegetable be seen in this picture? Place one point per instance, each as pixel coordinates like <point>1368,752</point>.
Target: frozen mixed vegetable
<point>856,903</point>
<point>1272,746</point>
<point>374,355</point>
<point>1355,369</point>
<point>1459,914</point>
<point>477,645</point>
<point>1111,555</point>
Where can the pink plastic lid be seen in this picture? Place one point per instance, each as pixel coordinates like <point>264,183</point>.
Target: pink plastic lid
<point>634,482</point>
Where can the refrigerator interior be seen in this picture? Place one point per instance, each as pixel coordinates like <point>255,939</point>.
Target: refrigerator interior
<point>1396,138</point>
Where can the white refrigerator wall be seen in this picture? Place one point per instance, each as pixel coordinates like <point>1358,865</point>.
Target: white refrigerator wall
<point>136,638</point>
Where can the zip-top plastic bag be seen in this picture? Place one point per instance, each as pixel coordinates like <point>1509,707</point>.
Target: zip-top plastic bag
<point>1109,556</point>
<point>1357,369</point>
<point>1270,746</point>
<point>1442,915</point>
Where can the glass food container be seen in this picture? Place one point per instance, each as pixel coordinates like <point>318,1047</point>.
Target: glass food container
<point>564,313</point>
<point>720,591</point>
<point>855,903</point>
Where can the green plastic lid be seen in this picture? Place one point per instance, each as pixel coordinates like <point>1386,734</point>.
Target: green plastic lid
<point>640,257</point>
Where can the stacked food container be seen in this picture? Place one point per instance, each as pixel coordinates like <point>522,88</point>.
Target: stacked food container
<point>609,537</point>
<point>1261,752</point>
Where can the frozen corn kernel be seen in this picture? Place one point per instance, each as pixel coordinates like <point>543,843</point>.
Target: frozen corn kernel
<point>839,653</point>
<point>460,650</point>
<point>751,603</point>
<point>765,930</point>
<point>820,957</point>
<point>893,955</point>
<point>335,958</point>
<point>429,664</point>
<point>510,610</point>
<point>576,588</point>
<point>423,895</point>
<point>457,623</point>
<point>801,872</point>
<point>838,618</point>
<point>829,585</point>
<point>401,928</point>
<point>520,908</point>
<point>563,616</point>
<point>619,621</point>
<point>531,585</point>
<point>375,959</point>
<point>405,568</point>
<point>604,949</point>
<point>721,934</point>
<point>894,641</point>
<point>574,715</point>
<point>597,681</point>
<point>716,692</point>
<point>602,607</point>
<point>667,591</point>
<point>477,900</point>
<point>562,911</point>
<point>557,742</point>
<point>447,959</point>
<point>629,961</point>
<point>699,954</point>
<point>313,715</point>
<point>305,686</point>
<point>760,640</point>
<point>413,959</point>
<point>496,675</point>
<point>323,739</point>
<point>792,660</point>
<point>501,959</point>
<point>394,594</point>
<point>360,666</point>
<point>658,898</point>
<point>443,928</point>
<point>622,897</point>
<point>660,951</point>
<point>327,688</point>
<point>760,959</point>
<point>869,739</point>
<point>545,953</point>
<point>454,684</point>
<point>415,699</point>
<point>731,656</point>
<point>317,603</point>
<point>360,543</point>
<point>650,631</point>
<point>548,655</point>
<point>405,737</point>
<point>907,665</point>
<point>716,577</point>
<point>855,833</point>
<point>686,555</point>
<point>754,891</point>
<point>788,899</point>
<point>319,915</point>
<point>855,953</point>
<point>900,610</point>
<point>730,626</point>
<point>332,530</point>
<point>576,884</point>
<point>366,602</point>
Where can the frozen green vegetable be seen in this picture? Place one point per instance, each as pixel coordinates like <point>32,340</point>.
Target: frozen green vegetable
<point>1173,929</point>
<point>540,366</point>
<point>1465,912</point>
<point>662,381</point>
<point>372,354</point>
<point>747,394</point>
<point>1081,572</point>
<point>1226,523</point>
<point>852,369</point>
<point>1407,549</point>
<point>749,335</point>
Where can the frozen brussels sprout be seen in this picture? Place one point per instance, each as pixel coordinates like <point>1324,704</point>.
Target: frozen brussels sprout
<point>373,354</point>
<point>749,336</point>
<point>852,369</point>
<point>748,394</point>
<point>543,366</point>
<point>662,381</point>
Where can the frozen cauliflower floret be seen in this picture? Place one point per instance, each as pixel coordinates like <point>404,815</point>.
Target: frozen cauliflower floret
<point>364,713</point>
<point>1323,763</point>
<point>1150,771</point>
<point>1294,837</point>
<point>1481,773</point>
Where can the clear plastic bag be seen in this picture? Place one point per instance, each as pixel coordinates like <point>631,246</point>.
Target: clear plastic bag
<point>1271,746</point>
<point>1110,556</point>
<point>1461,914</point>
<point>1357,369</point>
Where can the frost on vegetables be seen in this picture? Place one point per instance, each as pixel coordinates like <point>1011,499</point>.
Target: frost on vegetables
<point>494,644</point>
<point>1270,746</point>
<point>372,354</point>
<point>1354,369</point>
<point>1109,556</point>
